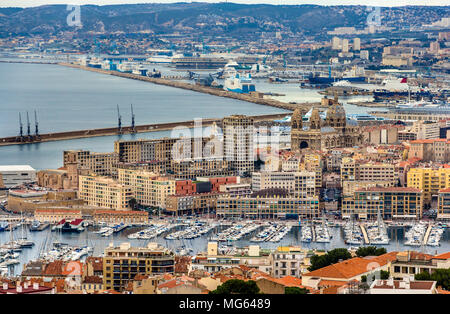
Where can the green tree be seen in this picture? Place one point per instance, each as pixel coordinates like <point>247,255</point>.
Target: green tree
<point>422,276</point>
<point>441,276</point>
<point>237,286</point>
<point>384,274</point>
<point>333,256</point>
<point>133,203</point>
<point>295,290</point>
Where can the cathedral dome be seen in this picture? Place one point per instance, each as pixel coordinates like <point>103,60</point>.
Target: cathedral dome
<point>336,116</point>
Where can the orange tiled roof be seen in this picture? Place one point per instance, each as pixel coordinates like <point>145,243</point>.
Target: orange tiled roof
<point>332,283</point>
<point>96,262</point>
<point>443,256</point>
<point>352,267</point>
<point>53,269</point>
<point>290,281</point>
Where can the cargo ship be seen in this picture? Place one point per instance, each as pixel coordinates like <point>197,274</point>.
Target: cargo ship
<point>355,75</point>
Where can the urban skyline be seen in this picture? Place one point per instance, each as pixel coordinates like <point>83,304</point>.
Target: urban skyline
<point>209,151</point>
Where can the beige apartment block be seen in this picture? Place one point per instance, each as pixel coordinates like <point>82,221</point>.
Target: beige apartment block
<point>104,192</point>
<point>148,188</point>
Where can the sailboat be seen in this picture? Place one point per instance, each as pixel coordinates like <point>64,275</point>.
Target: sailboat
<point>23,242</point>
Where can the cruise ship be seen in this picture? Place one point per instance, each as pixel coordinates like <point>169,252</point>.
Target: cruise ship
<point>240,84</point>
<point>164,59</point>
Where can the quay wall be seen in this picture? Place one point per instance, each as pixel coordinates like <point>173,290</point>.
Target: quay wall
<point>60,136</point>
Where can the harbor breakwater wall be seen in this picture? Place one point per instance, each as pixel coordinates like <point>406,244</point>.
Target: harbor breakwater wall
<point>60,136</point>
<point>202,89</point>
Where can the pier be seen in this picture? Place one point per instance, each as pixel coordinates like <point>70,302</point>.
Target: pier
<point>253,98</point>
<point>427,234</point>
<point>364,232</point>
<point>61,136</point>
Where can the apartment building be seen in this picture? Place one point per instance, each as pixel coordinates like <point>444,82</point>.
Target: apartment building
<point>349,187</point>
<point>215,261</point>
<point>238,143</point>
<point>429,180</point>
<point>191,203</point>
<point>190,169</point>
<point>148,189</point>
<point>391,202</point>
<point>368,172</point>
<point>289,261</point>
<point>443,209</point>
<point>121,264</point>
<point>268,207</point>
<point>299,184</point>
<point>104,192</point>
<point>165,149</point>
<point>103,164</point>
<point>313,162</point>
<point>409,263</point>
<point>437,150</point>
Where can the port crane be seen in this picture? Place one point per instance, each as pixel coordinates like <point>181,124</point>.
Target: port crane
<point>28,126</point>
<point>36,125</point>
<point>133,129</point>
<point>119,120</point>
<point>20,126</point>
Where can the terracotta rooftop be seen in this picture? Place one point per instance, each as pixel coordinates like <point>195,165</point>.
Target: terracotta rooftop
<point>93,279</point>
<point>352,267</point>
<point>413,285</point>
<point>96,262</point>
<point>444,256</point>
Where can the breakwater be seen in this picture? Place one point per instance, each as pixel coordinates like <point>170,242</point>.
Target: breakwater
<point>60,136</point>
<point>253,98</point>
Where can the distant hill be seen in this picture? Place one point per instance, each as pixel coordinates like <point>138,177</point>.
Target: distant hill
<point>205,18</point>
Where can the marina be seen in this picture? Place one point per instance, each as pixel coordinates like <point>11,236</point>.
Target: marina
<point>197,230</point>
<point>416,234</point>
<point>230,235</point>
<point>237,231</point>
<point>273,233</point>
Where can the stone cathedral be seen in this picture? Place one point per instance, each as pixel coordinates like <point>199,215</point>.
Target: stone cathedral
<point>333,132</point>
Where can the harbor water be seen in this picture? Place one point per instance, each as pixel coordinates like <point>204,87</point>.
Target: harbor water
<point>44,239</point>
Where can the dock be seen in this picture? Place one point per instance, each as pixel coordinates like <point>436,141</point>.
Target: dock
<point>313,229</point>
<point>253,98</point>
<point>427,234</point>
<point>364,232</point>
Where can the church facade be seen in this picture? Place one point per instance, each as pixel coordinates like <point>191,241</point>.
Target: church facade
<point>333,132</point>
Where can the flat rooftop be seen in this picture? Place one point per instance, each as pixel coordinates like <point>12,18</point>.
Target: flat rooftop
<point>7,168</point>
